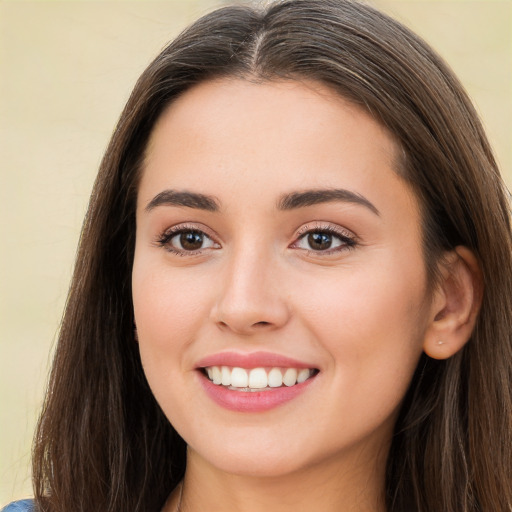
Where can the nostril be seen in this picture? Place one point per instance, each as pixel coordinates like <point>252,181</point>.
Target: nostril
<point>261,324</point>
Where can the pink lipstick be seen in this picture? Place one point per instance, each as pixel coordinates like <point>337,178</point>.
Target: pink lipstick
<point>253,382</point>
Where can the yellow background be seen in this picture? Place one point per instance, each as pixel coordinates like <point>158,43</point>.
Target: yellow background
<point>66,69</point>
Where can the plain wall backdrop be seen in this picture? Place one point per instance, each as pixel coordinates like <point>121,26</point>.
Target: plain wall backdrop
<point>66,70</point>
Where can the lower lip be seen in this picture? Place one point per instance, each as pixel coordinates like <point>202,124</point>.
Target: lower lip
<point>252,401</point>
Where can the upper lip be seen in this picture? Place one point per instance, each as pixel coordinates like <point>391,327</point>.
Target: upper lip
<point>251,360</point>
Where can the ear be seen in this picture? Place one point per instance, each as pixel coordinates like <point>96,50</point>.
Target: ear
<point>455,304</point>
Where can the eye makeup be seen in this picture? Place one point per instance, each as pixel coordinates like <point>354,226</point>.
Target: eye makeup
<point>186,240</point>
<point>318,238</point>
<point>324,239</point>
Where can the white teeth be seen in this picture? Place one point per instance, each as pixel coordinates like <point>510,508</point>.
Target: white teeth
<point>257,378</point>
<point>217,375</point>
<point>239,378</point>
<point>275,378</point>
<point>226,376</point>
<point>303,375</point>
<point>290,377</point>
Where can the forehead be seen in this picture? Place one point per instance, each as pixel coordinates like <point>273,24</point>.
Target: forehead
<point>274,137</point>
<point>265,108</point>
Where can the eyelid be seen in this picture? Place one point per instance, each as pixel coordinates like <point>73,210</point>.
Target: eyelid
<point>325,226</point>
<point>348,238</point>
<point>164,237</point>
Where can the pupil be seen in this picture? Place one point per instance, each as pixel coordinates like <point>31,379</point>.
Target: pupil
<point>192,240</point>
<point>319,241</point>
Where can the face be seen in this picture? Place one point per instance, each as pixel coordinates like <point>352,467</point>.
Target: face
<point>279,286</point>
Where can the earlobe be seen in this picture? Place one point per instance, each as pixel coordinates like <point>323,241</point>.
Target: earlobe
<point>455,304</point>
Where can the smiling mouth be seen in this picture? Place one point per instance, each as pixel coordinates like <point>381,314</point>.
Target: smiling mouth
<point>257,379</point>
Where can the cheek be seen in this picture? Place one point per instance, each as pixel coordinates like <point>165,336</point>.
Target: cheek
<point>364,298</point>
<point>371,320</point>
<point>170,306</point>
<point>169,309</point>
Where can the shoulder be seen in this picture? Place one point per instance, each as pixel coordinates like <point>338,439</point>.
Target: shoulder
<point>20,506</point>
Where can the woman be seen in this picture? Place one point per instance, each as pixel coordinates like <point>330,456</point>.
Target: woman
<point>293,284</point>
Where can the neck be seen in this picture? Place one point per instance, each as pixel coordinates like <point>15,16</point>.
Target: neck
<point>330,486</point>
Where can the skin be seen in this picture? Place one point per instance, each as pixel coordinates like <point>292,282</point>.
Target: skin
<point>360,314</point>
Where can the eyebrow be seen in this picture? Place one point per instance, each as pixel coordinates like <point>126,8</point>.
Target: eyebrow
<point>184,198</point>
<point>311,197</point>
<point>290,201</point>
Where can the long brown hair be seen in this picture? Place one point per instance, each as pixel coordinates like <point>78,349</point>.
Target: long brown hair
<point>103,443</point>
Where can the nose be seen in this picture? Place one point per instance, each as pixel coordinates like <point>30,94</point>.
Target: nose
<point>252,296</point>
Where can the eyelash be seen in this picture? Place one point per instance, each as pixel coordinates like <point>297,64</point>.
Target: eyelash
<point>165,238</point>
<point>347,239</point>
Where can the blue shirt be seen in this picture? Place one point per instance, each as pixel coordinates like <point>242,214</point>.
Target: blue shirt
<point>19,506</point>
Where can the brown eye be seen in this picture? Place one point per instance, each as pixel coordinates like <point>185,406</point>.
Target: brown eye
<point>186,241</point>
<point>319,241</point>
<point>325,240</point>
<point>191,240</point>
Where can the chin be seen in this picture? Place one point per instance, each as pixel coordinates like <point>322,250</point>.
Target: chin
<point>259,452</point>
<point>260,465</point>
